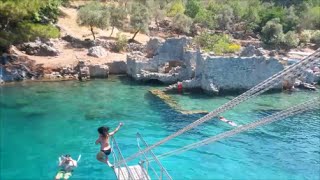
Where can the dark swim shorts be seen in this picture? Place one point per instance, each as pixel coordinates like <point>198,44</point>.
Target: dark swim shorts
<point>107,152</point>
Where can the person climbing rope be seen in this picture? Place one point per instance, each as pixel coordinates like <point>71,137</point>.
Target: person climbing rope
<point>67,165</point>
<point>105,148</point>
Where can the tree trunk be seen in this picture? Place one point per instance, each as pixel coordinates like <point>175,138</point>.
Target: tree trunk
<point>132,39</point>
<point>157,24</point>
<point>91,29</point>
<point>112,31</point>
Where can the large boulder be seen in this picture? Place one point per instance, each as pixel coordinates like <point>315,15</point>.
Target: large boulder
<point>97,51</point>
<point>39,48</point>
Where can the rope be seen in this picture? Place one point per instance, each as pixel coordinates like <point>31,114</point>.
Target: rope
<point>262,87</point>
<point>309,105</point>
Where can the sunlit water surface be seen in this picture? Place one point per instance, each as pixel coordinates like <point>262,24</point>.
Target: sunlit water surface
<point>40,121</point>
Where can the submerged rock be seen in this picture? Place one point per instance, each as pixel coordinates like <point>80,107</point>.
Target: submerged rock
<point>173,104</point>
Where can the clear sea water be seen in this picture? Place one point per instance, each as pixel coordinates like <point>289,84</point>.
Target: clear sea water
<point>40,121</point>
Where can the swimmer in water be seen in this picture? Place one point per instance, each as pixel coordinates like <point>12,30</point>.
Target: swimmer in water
<point>67,165</point>
<point>105,148</point>
<point>227,121</point>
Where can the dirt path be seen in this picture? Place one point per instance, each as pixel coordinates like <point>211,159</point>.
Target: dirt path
<point>69,55</point>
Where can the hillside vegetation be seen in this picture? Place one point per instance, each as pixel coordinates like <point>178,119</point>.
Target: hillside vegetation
<point>279,24</point>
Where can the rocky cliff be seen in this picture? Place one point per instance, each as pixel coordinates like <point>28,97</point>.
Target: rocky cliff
<point>174,61</point>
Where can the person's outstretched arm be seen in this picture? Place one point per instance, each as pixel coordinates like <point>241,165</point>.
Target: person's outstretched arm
<point>116,130</point>
<point>97,141</point>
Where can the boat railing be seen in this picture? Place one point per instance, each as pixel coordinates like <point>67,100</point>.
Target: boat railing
<point>150,162</point>
<point>117,157</point>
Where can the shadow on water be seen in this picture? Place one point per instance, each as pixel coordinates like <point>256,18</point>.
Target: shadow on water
<point>126,80</point>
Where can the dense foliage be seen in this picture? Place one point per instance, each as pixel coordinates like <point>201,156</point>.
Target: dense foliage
<point>25,20</point>
<point>219,44</point>
<point>279,23</point>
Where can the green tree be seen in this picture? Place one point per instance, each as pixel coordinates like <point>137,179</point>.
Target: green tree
<point>290,20</point>
<point>118,16</point>
<point>252,19</point>
<point>12,12</point>
<point>272,33</point>
<point>93,15</point>
<point>225,18</point>
<point>205,18</point>
<point>24,20</point>
<point>311,18</point>
<point>192,8</point>
<point>139,18</point>
<point>182,23</point>
<point>174,8</point>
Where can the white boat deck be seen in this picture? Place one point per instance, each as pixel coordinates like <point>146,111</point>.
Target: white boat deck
<point>136,173</point>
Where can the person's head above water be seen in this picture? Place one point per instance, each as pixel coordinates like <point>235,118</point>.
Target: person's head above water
<point>220,117</point>
<point>103,131</point>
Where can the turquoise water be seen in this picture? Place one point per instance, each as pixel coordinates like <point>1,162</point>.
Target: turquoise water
<point>40,121</point>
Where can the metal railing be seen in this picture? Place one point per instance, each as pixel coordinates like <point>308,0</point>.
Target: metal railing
<point>117,156</point>
<point>147,157</point>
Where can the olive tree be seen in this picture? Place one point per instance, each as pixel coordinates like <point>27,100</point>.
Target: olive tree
<point>93,15</point>
<point>139,19</point>
<point>118,16</point>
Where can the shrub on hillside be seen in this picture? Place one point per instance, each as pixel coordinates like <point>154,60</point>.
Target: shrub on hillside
<point>316,37</point>
<point>272,33</point>
<point>205,19</point>
<point>225,18</point>
<point>311,18</point>
<point>291,40</point>
<point>30,31</point>
<point>182,23</point>
<point>305,36</point>
<point>219,44</point>
<point>176,7</point>
<point>121,43</point>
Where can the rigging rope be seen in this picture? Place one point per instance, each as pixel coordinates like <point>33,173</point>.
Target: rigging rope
<point>290,71</point>
<point>309,105</point>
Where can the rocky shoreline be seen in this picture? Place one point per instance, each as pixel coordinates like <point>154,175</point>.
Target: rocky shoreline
<point>172,62</point>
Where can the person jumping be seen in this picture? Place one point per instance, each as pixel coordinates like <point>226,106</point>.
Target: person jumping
<point>104,140</point>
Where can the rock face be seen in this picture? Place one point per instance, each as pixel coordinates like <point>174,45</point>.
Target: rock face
<point>39,48</point>
<point>214,74</point>
<point>117,67</point>
<point>166,62</point>
<point>171,62</point>
<point>86,70</point>
<point>97,51</point>
<point>99,71</point>
<point>251,50</point>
